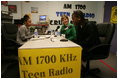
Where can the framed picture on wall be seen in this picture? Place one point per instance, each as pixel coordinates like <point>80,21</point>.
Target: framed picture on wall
<point>12,8</point>
<point>34,9</point>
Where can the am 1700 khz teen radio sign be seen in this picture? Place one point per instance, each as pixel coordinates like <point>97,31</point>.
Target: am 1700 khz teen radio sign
<point>50,62</point>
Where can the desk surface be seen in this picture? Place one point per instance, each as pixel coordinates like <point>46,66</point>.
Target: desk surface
<point>47,42</point>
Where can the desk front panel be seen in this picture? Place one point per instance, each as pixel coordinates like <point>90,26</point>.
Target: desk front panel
<point>50,62</point>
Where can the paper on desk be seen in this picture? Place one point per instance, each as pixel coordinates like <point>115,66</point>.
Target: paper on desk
<point>40,38</point>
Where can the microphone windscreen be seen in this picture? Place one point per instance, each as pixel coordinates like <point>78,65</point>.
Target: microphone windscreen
<point>57,28</point>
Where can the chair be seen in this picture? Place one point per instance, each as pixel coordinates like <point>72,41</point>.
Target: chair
<point>9,34</point>
<point>9,47</point>
<point>106,31</point>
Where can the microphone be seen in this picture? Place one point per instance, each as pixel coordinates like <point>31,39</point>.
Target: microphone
<point>70,26</point>
<point>57,28</point>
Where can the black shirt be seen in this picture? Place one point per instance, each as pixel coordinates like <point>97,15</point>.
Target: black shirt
<point>87,35</point>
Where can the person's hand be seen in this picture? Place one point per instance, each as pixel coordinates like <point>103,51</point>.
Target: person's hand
<point>32,36</point>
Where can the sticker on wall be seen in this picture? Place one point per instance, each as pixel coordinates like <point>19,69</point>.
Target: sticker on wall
<point>114,15</point>
<point>34,9</point>
<point>12,8</point>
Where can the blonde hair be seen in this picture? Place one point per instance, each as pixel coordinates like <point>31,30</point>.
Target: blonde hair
<point>64,16</point>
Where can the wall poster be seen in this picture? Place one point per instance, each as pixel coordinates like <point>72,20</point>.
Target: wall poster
<point>34,9</point>
<point>114,15</point>
<point>12,8</point>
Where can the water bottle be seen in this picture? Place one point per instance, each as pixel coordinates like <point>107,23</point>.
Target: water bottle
<point>36,33</point>
<point>57,33</point>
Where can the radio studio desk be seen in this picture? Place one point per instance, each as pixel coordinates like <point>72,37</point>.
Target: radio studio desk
<point>49,57</point>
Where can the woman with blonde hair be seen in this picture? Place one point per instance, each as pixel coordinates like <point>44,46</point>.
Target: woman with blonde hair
<point>67,28</point>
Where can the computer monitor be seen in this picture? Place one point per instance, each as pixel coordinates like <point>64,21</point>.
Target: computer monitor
<point>42,18</point>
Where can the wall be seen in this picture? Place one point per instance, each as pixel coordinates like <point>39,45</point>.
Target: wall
<point>19,10</point>
<point>107,15</point>
<point>51,7</point>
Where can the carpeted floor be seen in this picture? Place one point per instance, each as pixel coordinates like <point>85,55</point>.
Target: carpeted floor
<point>108,67</point>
